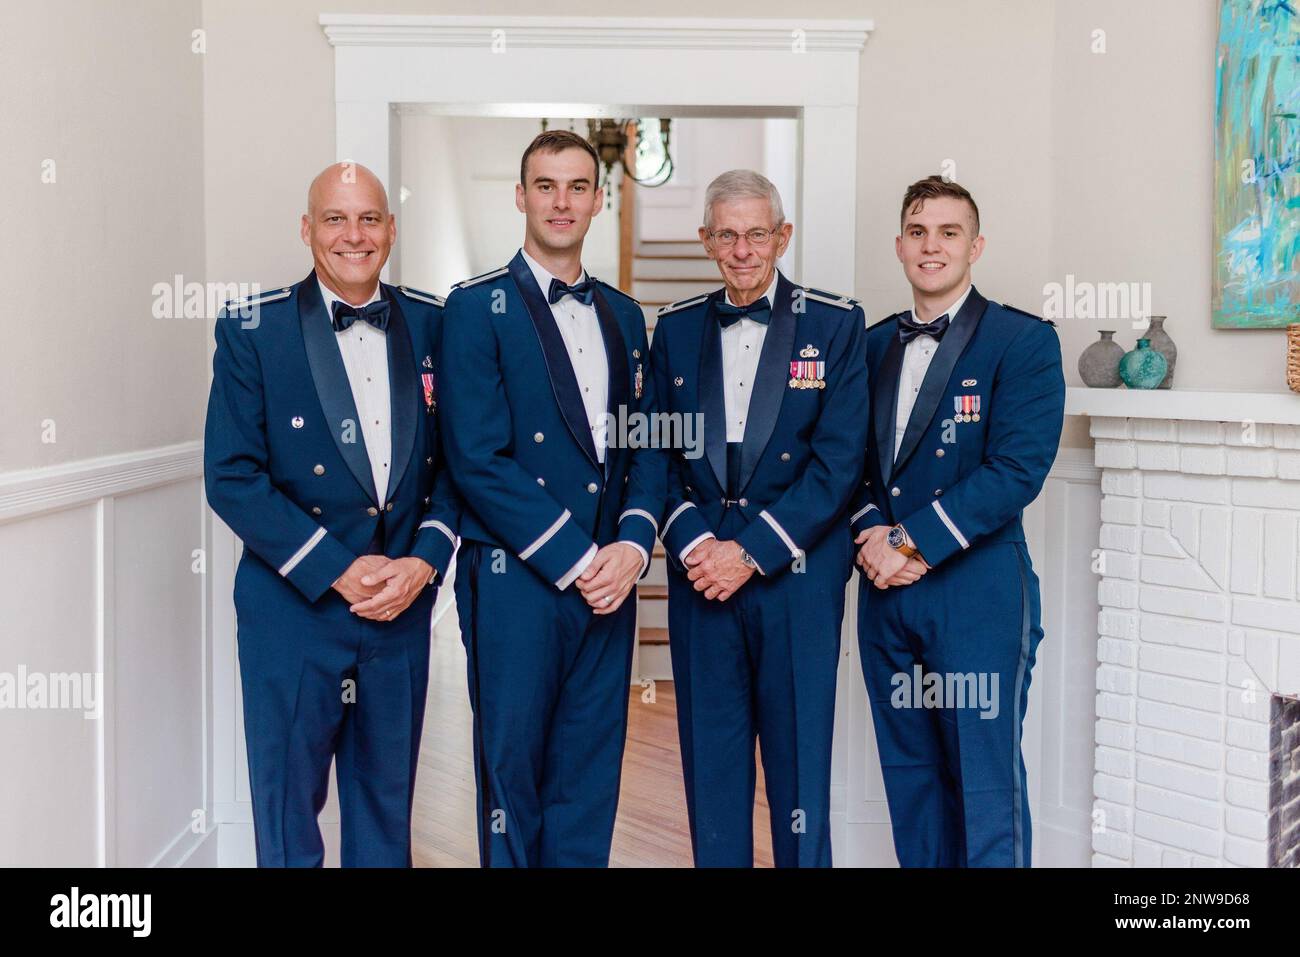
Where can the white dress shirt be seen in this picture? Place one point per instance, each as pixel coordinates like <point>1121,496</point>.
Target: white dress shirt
<point>580,329</point>
<point>917,356</point>
<point>742,345</point>
<point>365,357</point>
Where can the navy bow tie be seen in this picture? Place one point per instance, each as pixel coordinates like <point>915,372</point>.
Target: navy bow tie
<point>583,291</point>
<point>344,315</point>
<point>758,310</point>
<point>909,328</point>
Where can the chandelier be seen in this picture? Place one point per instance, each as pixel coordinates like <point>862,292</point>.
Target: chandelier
<point>653,161</point>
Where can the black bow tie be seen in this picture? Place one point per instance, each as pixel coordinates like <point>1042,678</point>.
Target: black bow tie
<point>758,310</point>
<point>344,315</point>
<point>909,328</point>
<point>583,291</point>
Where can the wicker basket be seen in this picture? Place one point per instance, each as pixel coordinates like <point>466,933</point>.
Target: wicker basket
<point>1293,356</point>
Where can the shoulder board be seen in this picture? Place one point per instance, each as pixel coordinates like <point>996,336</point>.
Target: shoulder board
<point>261,299</point>
<point>422,296</point>
<point>465,284</point>
<point>681,304</point>
<point>612,288</point>
<point>1010,308</point>
<point>830,298</point>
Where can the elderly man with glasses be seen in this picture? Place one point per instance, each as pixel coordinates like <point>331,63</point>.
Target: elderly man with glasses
<point>756,529</point>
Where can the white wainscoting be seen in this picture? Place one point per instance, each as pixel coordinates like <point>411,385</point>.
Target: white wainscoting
<point>1061,527</point>
<point>100,577</point>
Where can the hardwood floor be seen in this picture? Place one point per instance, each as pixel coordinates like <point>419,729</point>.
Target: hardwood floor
<point>651,830</point>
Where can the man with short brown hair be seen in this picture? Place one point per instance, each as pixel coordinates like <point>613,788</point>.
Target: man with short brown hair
<point>967,408</point>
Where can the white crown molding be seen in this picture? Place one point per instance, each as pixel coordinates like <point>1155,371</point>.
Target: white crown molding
<point>33,491</point>
<point>606,33</point>
<point>1278,408</point>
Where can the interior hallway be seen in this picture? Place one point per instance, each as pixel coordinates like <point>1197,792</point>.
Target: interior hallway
<point>651,829</point>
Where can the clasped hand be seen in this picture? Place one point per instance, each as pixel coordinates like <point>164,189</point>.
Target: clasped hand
<point>381,588</point>
<point>886,567</point>
<point>608,580</point>
<point>716,569</point>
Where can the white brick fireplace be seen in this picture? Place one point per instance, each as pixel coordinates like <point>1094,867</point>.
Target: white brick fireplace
<point>1199,628</point>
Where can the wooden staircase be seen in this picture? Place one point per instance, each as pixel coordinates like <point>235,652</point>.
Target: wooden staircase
<point>663,271</point>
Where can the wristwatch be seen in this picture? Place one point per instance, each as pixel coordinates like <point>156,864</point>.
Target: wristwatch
<point>900,541</point>
<point>747,560</point>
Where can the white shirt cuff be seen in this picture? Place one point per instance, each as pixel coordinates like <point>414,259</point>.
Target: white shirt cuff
<point>573,573</point>
<point>681,557</point>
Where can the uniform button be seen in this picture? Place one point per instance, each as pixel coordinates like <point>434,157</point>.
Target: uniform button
<point>938,453</point>
<point>785,456</point>
<point>895,491</point>
<point>388,507</point>
<point>315,509</point>
<point>372,511</point>
<point>538,437</point>
<point>744,503</point>
<point>938,492</point>
<point>541,481</point>
<point>591,487</point>
<point>319,469</point>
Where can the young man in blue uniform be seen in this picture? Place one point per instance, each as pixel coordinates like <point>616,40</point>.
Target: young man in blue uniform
<point>540,359</point>
<point>968,402</point>
<point>321,454</point>
<point>754,528</point>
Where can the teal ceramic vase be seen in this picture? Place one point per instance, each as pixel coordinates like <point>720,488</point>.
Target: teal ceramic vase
<point>1143,368</point>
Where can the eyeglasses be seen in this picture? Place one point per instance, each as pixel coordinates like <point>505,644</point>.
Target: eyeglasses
<point>757,236</point>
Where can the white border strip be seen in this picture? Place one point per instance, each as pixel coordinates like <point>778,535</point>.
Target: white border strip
<point>673,517</point>
<point>870,506</point>
<point>952,527</point>
<point>34,491</point>
<point>795,551</point>
<point>434,523</point>
<point>643,513</point>
<point>302,553</point>
<point>544,537</point>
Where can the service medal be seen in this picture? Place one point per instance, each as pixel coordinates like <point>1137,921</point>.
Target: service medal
<point>430,401</point>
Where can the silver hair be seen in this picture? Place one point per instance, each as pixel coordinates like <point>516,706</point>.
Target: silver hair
<point>738,184</point>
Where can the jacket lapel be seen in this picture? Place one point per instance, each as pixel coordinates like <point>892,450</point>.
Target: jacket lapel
<point>951,346</point>
<point>564,384</point>
<point>712,404</point>
<point>884,403</point>
<point>331,381</point>
<point>404,393</point>
<point>771,381</point>
<point>616,357</point>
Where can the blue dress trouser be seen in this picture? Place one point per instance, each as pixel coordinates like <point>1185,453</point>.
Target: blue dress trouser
<point>953,770</point>
<point>549,683</point>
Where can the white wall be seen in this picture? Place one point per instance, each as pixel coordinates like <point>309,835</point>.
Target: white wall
<point>98,527</point>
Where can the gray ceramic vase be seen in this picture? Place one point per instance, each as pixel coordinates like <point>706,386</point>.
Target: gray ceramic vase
<point>1161,342</point>
<point>1099,363</point>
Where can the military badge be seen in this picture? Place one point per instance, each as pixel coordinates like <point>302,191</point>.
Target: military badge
<point>967,383</point>
<point>430,391</point>
<point>428,362</point>
<point>808,372</point>
<point>966,408</point>
<point>678,382</point>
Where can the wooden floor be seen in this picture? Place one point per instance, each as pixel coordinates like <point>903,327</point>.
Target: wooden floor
<point>651,830</point>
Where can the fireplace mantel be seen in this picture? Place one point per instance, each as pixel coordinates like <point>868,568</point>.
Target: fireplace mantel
<point>1277,408</point>
<point>1199,629</point>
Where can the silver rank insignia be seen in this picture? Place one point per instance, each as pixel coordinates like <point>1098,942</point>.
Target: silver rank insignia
<point>638,381</point>
<point>808,372</point>
<point>296,421</point>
